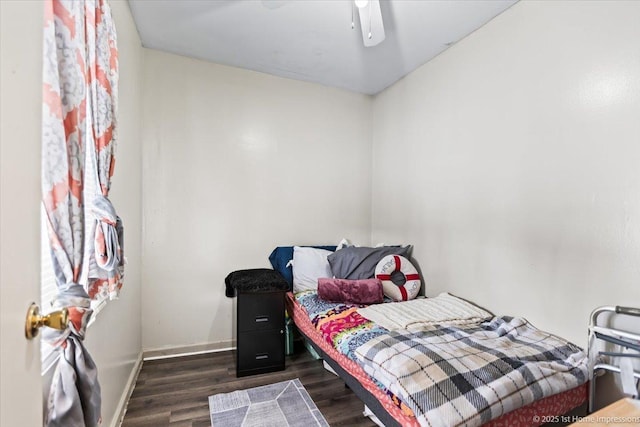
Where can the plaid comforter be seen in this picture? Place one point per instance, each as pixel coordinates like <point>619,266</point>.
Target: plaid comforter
<point>469,375</point>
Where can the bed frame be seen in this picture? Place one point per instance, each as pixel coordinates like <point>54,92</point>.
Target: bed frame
<point>356,386</point>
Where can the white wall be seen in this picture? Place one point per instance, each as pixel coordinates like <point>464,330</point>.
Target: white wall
<point>511,161</point>
<point>235,163</point>
<point>115,338</point>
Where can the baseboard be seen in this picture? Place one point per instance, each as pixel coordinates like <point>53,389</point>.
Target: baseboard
<point>188,350</point>
<point>121,409</point>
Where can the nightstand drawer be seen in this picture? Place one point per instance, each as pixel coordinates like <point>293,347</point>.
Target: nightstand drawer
<point>261,351</point>
<point>260,311</point>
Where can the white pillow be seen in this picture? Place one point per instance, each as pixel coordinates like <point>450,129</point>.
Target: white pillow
<point>309,264</point>
<point>345,243</point>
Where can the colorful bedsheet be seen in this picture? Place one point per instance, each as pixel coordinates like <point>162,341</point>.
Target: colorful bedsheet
<point>344,329</point>
<point>340,324</point>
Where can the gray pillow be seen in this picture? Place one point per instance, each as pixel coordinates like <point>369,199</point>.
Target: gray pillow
<point>355,263</point>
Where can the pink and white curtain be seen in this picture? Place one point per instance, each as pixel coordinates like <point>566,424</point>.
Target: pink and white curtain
<point>80,78</point>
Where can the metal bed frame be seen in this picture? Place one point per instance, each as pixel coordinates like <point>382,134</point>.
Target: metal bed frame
<point>622,339</point>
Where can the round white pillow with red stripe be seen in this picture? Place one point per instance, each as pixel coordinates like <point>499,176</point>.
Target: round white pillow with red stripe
<point>389,265</point>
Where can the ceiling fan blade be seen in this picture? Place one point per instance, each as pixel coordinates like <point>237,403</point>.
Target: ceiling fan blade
<point>371,23</point>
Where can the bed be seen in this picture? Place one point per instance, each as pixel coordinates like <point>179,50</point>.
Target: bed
<point>357,349</point>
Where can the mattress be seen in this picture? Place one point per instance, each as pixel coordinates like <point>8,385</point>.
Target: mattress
<point>336,330</point>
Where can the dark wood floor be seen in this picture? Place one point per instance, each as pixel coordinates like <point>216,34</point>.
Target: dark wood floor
<point>174,392</point>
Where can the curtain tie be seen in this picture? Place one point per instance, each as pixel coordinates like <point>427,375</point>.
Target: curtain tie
<point>108,245</point>
<point>74,298</point>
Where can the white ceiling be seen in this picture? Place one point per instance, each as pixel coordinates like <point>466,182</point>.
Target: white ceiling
<point>311,40</point>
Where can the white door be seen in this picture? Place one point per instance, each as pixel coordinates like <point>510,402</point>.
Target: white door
<point>20,123</point>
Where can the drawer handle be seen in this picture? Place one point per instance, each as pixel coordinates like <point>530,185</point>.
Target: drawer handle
<point>260,319</point>
<point>262,356</point>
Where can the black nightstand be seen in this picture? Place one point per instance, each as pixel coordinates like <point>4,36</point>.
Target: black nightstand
<point>260,336</point>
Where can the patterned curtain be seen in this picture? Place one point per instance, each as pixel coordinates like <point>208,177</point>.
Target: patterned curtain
<point>80,74</point>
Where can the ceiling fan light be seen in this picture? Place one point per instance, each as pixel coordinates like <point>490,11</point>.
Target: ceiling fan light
<point>361,3</point>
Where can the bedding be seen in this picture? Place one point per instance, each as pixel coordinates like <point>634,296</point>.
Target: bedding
<point>423,312</point>
<point>280,257</point>
<point>309,264</point>
<point>357,263</point>
<point>339,323</point>
<point>338,330</point>
<point>471,374</point>
<point>367,291</point>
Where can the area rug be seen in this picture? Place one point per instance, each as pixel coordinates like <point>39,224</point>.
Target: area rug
<point>281,404</point>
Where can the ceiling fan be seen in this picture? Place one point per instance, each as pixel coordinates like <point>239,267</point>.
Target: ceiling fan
<point>370,21</point>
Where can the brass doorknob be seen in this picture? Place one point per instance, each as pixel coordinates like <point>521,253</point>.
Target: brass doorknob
<point>56,320</point>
